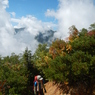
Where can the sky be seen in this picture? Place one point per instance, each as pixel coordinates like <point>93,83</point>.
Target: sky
<point>36,8</point>
<point>40,15</point>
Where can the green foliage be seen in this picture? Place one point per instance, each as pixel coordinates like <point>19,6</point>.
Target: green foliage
<point>15,78</point>
<point>77,64</point>
<point>72,62</point>
<point>28,61</point>
<point>39,55</point>
<point>92,26</point>
<point>83,32</point>
<point>55,70</point>
<point>17,74</point>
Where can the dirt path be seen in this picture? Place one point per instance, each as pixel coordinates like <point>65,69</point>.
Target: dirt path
<point>52,89</point>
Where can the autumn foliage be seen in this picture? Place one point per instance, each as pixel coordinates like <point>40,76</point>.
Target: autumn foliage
<point>17,74</point>
<point>72,61</point>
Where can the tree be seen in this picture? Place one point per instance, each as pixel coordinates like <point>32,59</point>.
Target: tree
<point>57,48</point>
<point>17,74</point>
<point>13,78</point>
<point>92,26</point>
<point>77,65</point>
<point>31,70</point>
<point>73,33</point>
<point>40,54</point>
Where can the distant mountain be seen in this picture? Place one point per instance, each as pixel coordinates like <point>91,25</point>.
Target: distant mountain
<point>42,37</point>
<point>17,30</point>
<point>46,37</point>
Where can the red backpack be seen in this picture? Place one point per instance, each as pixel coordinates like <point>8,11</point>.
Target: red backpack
<point>35,80</point>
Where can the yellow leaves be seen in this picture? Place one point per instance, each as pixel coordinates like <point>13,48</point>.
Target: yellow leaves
<point>57,48</point>
<point>77,36</point>
<point>52,50</point>
<point>13,66</point>
<point>46,59</point>
<point>70,38</point>
<point>63,48</point>
<point>68,48</point>
<point>63,53</point>
<point>18,67</point>
<point>73,34</point>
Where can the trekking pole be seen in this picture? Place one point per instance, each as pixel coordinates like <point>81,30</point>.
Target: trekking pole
<point>44,88</point>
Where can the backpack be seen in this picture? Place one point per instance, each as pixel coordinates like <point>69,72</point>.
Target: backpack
<point>36,84</point>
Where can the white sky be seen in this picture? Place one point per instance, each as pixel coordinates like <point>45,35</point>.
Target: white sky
<point>80,13</point>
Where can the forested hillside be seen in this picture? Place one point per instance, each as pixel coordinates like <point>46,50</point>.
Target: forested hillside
<point>66,62</point>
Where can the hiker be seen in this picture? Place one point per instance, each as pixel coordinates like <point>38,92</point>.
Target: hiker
<point>41,85</point>
<point>38,85</point>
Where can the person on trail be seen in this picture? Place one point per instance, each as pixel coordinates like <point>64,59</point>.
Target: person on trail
<point>38,85</point>
<point>41,85</point>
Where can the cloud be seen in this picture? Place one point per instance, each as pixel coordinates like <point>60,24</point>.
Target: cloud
<point>5,3</point>
<point>32,24</point>
<point>72,12</point>
<point>8,43</point>
<point>13,14</point>
<point>32,28</point>
<point>11,42</point>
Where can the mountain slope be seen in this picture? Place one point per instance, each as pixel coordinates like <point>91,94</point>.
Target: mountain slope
<point>46,37</point>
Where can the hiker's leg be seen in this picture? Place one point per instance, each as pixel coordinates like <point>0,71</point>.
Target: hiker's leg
<point>38,93</point>
<point>42,92</point>
<point>35,93</point>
